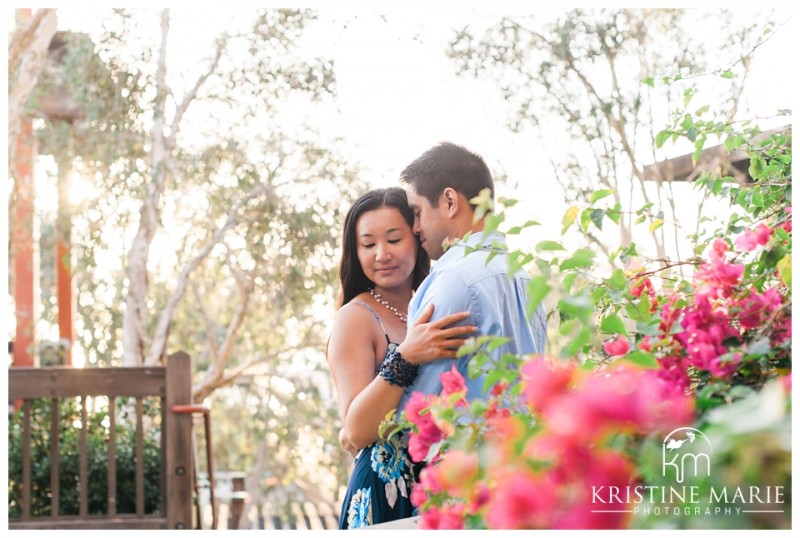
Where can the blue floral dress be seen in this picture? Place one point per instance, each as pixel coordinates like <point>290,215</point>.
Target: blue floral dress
<point>380,485</point>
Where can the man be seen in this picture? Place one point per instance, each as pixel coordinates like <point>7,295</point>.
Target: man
<point>440,184</point>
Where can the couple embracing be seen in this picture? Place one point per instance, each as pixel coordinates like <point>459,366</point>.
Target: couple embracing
<point>400,320</point>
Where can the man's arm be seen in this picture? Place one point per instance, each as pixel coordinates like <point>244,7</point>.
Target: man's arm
<point>447,294</point>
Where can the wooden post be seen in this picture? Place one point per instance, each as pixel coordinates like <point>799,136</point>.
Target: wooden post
<point>178,432</point>
<point>238,497</point>
<point>23,250</point>
<point>65,297</point>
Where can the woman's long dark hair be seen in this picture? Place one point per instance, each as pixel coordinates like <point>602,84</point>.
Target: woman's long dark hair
<point>351,276</point>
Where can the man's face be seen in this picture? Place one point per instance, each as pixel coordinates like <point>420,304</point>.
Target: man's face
<point>431,224</point>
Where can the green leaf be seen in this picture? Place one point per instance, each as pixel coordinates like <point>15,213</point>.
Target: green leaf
<point>507,202</point>
<point>578,306</point>
<point>614,214</point>
<point>661,137</point>
<point>568,280</point>
<point>696,155</point>
<point>757,165</point>
<point>547,246</point>
<point>617,280</point>
<point>727,74</point>
<point>759,347</point>
<point>477,407</point>
<point>586,218</point>
<point>568,327</point>
<point>600,194</point>
<point>656,224</point>
<point>649,81</point>
<point>538,288</point>
<point>577,344</point>
<point>783,234</point>
<point>642,358</point>
<point>492,222</point>
<point>687,96</point>
<point>597,217</point>
<point>613,324</point>
<point>569,218</point>
<point>517,229</point>
<point>784,267</point>
<point>650,328</point>
<point>496,342</point>
<point>583,257</point>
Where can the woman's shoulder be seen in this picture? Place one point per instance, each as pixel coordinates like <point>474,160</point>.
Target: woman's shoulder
<point>353,328</point>
<point>356,312</point>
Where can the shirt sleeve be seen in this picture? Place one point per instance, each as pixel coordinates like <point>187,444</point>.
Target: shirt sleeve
<point>449,294</point>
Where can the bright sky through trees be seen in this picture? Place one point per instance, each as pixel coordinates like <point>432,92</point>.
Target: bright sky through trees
<point>398,94</point>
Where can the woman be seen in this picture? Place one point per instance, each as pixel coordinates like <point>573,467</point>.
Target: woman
<point>382,264</point>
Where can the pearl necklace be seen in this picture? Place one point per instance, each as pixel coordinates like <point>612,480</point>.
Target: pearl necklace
<point>379,298</point>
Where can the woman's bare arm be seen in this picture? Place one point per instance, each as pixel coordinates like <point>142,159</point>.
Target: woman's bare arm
<point>364,403</point>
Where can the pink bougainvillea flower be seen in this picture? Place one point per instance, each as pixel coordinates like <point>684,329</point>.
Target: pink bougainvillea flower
<point>631,397</point>
<point>603,471</point>
<point>617,346</point>
<point>752,239</point>
<point>719,275</point>
<point>427,434</point>
<point>499,388</point>
<point>522,501</point>
<point>756,307</point>
<point>639,285</point>
<point>445,517</point>
<point>453,383</point>
<point>787,225</point>
<point>544,379</point>
<point>419,443</point>
<point>418,495</point>
<point>457,471</point>
<point>569,418</point>
<point>786,381</point>
<point>718,249</point>
<point>416,403</point>
<point>479,496</point>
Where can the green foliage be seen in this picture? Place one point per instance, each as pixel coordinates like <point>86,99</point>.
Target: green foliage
<point>721,338</point>
<point>69,443</point>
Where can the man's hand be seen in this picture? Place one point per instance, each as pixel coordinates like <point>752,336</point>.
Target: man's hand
<point>428,341</point>
<point>346,444</point>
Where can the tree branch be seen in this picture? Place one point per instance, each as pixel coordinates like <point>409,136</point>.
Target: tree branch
<point>215,379</point>
<point>209,326</point>
<point>192,93</point>
<point>162,328</point>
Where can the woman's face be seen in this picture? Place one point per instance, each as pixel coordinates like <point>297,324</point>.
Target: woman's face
<point>387,249</point>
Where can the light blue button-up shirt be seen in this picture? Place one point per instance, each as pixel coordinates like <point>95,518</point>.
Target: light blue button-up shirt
<point>496,300</point>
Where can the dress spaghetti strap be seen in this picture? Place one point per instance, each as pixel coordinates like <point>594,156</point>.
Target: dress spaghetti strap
<point>377,317</point>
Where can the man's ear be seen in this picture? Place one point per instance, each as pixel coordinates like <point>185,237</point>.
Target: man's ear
<point>451,201</point>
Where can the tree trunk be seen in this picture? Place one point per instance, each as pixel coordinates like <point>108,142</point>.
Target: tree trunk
<point>134,321</point>
<point>27,56</point>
